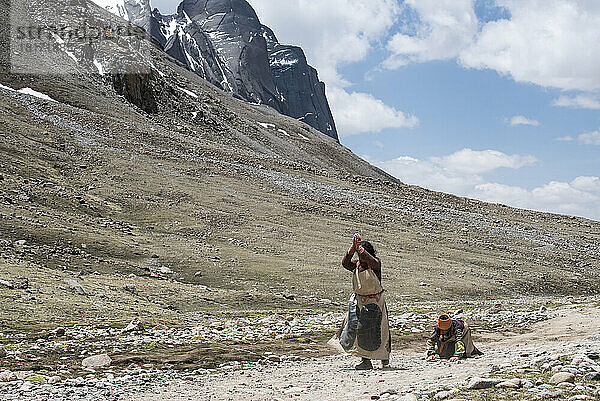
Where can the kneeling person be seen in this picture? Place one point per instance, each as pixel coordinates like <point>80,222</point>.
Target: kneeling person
<point>451,339</point>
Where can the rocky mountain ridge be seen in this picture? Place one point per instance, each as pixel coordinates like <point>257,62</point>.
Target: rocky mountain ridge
<point>224,42</point>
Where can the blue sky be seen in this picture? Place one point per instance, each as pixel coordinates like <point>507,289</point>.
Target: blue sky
<point>497,100</point>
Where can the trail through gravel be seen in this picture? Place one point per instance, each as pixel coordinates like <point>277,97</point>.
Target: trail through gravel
<point>333,378</point>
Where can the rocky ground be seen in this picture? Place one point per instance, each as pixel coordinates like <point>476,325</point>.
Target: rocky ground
<point>536,349</point>
<point>195,245</point>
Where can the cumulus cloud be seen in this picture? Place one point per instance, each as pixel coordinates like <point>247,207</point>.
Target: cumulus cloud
<point>361,112</point>
<point>556,197</point>
<point>458,172</point>
<point>545,42</point>
<point>522,120</point>
<point>589,138</point>
<point>449,174</point>
<point>446,27</point>
<point>334,33</point>
<point>582,101</point>
<point>476,162</point>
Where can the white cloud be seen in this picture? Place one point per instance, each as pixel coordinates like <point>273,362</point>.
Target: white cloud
<point>589,138</point>
<point>476,162</point>
<point>429,174</point>
<point>546,42</point>
<point>361,112</point>
<point>556,197</point>
<point>582,101</point>
<point>446,27</point>
<point>333,33</point>
<point>458,172</point>
<point>522,120</point>
<point>448,174</point>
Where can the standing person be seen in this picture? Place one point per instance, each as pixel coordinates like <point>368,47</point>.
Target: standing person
<point>365,331</point>
<point>451,339</point>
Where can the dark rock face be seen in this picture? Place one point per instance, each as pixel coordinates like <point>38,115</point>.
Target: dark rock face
<point>224,42</point>
<point>137,89</point>
<point>303,94</point>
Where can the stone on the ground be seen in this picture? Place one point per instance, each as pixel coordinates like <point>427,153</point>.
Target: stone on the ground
<point>443,395</point>
<point>6,284</point>
<point>75,287</point>
<point>478,383</point>
<point>562,377</point>
<point>54,380</point>
<point>592,376</point>
<point>59,331</point>
<point>512,383</point>
<point>408,397</point>
<point>130,288</point>
<point>7,376</point>
<point>97,361</point>
<point>134,326</point>
<point>2,353</point>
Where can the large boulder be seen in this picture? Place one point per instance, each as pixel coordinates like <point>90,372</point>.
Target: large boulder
<point>479,383</point>
<point>97,361</point>
<point>562,377</point>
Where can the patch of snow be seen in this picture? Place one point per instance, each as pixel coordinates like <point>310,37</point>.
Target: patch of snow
<point>284,132</point>
<point>7,88</point>
<point>303,137</point>
<point>194,114</point>
<point>62,46</point>
<point>99,67</point>
<point>31,92</point>
<point>116,7</point>
<point>267,125</point>
<point>192,94</point>
<point>187,18</point>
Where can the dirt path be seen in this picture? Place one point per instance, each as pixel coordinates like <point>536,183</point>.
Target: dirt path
<point>332,378</point>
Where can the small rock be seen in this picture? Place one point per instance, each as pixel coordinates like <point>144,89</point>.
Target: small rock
<point>592,376</point>
<point>164,270</point>
<point>2,353</point>
<point>130,288</point>
<point>565,385</point>
<point>408,397</point>
<point>75,287</point>
<point>58,332</point>
<point>134,326</point>
<point>7,376</point>
<point>54,380</point>
<point>20,242</point>
<point>478,383</point>
<point>97,361</point>
<point>7,284</point>
<point>390,391</point>
<point>527,383</point>
<point>512,383</point>
<point>442,395</point>
<point>562,377</point>
<point>198,274</point>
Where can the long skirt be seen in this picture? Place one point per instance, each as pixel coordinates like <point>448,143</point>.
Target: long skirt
<point>365,331</point>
